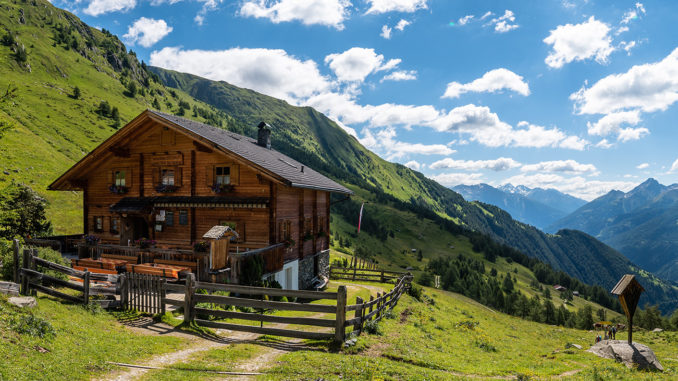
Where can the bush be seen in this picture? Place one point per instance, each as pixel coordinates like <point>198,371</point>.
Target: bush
<point>425,279</point>
<point>33,326</point>
<point>372,327</point>
<point>415,292</point>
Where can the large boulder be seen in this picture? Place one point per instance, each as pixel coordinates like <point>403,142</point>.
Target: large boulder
<point>637,355</point>
<point>23,301</point>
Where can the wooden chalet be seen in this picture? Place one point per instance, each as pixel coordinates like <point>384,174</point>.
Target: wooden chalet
<point>171,179</point>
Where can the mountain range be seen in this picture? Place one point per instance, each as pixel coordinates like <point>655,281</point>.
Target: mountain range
<point>47,53</point>
<point>534,206</point>
<point>641,223</point>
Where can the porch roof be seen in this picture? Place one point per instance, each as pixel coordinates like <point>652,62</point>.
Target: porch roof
<point>146,204</point>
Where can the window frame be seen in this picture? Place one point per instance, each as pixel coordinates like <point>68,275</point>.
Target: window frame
<point>115,222</point>
<point>164,170</point>
<point>98,223</point>
<point>183,212</point>
<point>218,177</point>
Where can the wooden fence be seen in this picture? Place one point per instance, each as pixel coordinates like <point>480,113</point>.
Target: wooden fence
<point>143,292</point>
<point>364,275</point>
<point>31,279</point>
<point>375,308</point>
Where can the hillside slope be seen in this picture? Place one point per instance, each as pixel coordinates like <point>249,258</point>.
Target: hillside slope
<point>640,223</point>
<point>573,252</point>
<point>47,53</point>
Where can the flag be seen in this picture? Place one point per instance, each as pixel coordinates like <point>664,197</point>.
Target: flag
<point>360,217</point>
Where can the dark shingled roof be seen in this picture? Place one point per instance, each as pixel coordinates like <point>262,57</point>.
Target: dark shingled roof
<point>269,159</point>
<point>623,283</point>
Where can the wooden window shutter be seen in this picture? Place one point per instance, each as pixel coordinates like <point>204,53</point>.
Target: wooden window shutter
<point>235,174</point>
<point>156,176</point>
<point>209,174</point>
<point>177,176</point>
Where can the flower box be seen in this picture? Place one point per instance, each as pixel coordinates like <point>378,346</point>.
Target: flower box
<point>118,189</point>
<point>166,188</point>
<point>222,188</point>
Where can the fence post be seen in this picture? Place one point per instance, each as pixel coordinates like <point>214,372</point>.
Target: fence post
<point>358,325</point>
<point>188,299</point>
<point>382,276</point>
<point>371,304</point>
<point>85,284</point>
<point>17,266</point>
<point>163,295</point>
<point>24,278</point>
<point>355,268</point>
<point>380,305</point>
<point>340,330</point>
<point>122,278</point>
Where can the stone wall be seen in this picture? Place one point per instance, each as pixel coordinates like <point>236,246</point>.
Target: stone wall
<point>307,268</point>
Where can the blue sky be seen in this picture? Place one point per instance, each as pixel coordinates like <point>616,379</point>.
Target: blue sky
<point>569,94</point>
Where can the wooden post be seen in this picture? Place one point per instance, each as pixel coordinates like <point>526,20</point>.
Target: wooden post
<point>382,276</point>
<point>354,270</point>
<point>85,285</point>
<point>339,330</point>
<point>631,330</point>
<point>371,305</point>
<point>17,266</point>
<point>163,295</point>
<point>24,278</point>
<point>122,279</point>
<point>188,298</point>
<point>358,325</point>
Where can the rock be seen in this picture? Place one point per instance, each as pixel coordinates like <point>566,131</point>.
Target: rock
<point>631,355</point>
<point>570,345</point>
<point>350,343</point>
<point>23,301</point>
<point>657,330</point>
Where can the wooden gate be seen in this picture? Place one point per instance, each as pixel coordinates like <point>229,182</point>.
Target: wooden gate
<point>144,293</point>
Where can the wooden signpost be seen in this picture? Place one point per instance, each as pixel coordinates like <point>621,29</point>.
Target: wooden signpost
<point>628,290</point>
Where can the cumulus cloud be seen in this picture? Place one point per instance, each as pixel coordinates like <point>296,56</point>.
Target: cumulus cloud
<point>497,165</point>
<point>309,12</point>
<point>402,24</point>
<point>207,6</point>
<point>465,20</point>
<point>355,64</point>
<point>633,13</point>
<point>147,32</point>
<point>386,32</point>
<point>648,87</point>
<point>485,127</point>
<point>270,71</point>
<point>384,6</point>
<point>413,164</point>
<point>452,179</point>
<point>503,24</point>
<point>492,81</point>
<point>401,75</point>
<point>385,142</point>
<point>643,165</point>
<point>611,123</point>
<point>567,166</point>
<point>590,39</point>
<point>577,185</point>
<point>628,134</point>
<point>99,7</point>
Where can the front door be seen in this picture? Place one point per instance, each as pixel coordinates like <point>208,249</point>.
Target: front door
<point>132,229</point>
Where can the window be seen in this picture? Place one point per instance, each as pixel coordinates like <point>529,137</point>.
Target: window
<point>222,175</point>
<point>115,225</point>
<point>169,218</point>
<point>285,228</point>
<point>183,217</point>
<point>98,223</point>
<point>119,177</point>
<point>167,177</point>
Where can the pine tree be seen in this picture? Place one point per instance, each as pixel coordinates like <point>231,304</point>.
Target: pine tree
<point>76,92</point>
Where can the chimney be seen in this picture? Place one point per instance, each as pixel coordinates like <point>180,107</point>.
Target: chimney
<point>264,138</point>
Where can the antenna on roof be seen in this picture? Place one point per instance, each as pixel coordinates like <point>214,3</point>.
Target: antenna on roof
<point>264,137</point>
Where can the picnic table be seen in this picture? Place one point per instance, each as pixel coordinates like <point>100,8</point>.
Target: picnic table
<point>167,271</point>
<point>94,264</point>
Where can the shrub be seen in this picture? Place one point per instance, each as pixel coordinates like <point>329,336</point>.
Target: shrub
<point>93,308</point>
<point>415,292</point>
<point>425,279</point>
<point>372,327</point>
<point>33,326</point>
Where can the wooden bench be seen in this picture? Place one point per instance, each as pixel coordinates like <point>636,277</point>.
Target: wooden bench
<point>166,271</point>
<point>129,258</point>
<point>191,265</point>
<point>95,270</point>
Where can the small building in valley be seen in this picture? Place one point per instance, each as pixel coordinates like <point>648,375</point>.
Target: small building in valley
<point>171,179</point>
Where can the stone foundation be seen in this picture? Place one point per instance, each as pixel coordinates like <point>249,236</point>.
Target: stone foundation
<point>307,268</point>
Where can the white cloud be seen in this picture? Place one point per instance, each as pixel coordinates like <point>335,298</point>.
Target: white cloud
<point>309,12</point>
<point>577,186</point>
<point>270,71</point>
<point>604,144</point>
<point>633,13</point>
<point>156,3</point>
<point>611,123</point>
<point>643,165</point>
<point>674,166</point>
<point>413,164</point>
<point>648,87</point>
<point>401,75</point>
<point>385,142</point>
<point>503,24</point>
<point>355,64</point>
<point>579,42</point>
<point>492,81</point>
<point>486,128</point>
<point>99,7</point>
<point>486,15</point>
<point>465,20</point>
<point>386,32</point>
<point>627,46</point>
<point>147,32</point>
<point>207,6</point>
<point>402,24</point>
<point>628,134</point>
<point>497,165</point>
<point>452,179</point>
<point>566,166</point>
<point>384,6</point>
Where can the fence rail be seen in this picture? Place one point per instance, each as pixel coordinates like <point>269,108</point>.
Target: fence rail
<point>364,275</point>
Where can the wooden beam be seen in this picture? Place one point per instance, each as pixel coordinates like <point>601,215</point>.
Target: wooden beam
<point>265,331</point>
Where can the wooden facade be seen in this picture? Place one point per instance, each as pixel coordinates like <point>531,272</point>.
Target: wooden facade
<point>156,179</point>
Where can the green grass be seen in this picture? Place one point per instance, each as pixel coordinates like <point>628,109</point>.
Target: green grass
<point>83,344</point>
